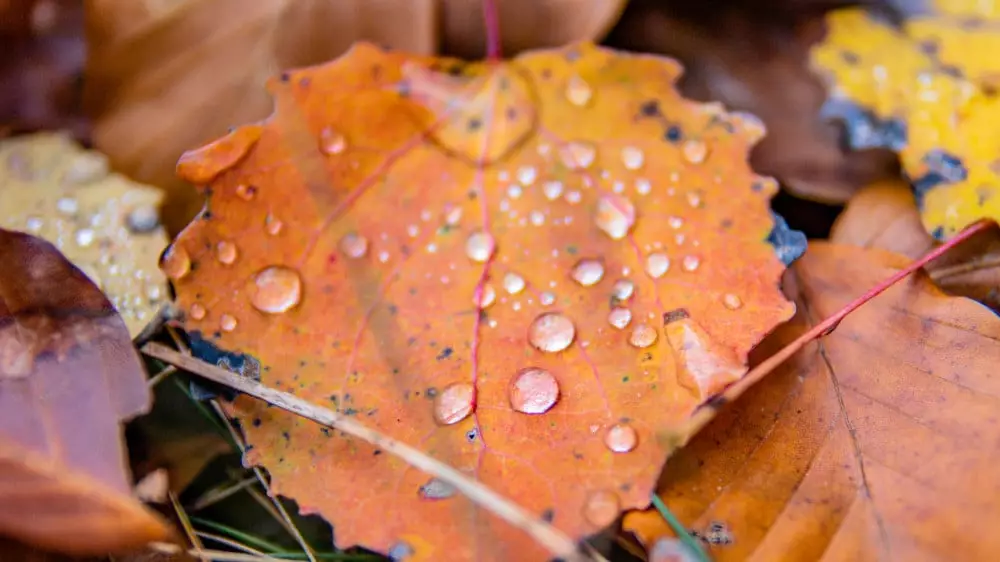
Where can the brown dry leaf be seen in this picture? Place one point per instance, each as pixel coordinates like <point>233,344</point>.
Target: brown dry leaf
<point>163,77</point>
<point>885,215</point>
<point>68,376</point>
<point>880,441</point>
<point>750,64</point>
<point>107,225</point>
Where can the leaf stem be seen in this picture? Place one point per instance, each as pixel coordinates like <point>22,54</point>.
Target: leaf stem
<point>682,533</point>
<point>491,20</point>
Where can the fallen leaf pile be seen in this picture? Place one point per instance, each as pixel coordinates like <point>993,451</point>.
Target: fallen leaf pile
<point>469,259</point>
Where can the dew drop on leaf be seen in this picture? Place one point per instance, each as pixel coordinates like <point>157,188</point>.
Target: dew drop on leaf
<point>731,301</point>
<point>225,251</point>
<point>643,186</point>
<point>623,290</point>
<point>486,296</point>
<point>643,335</point>
<point>578,91</point>
<point>621,438</point>
<point>601,508</point>
<point>578,155</point>
<point>694,151</point>
<point>547,298</point>
<point>176,262</point>
<point>34,224</point>
<point>552,189</point>
<point>551,332</point>
<point>633,158</point>
<point>277,289</point>
<point>84,237</point>
<point>657,264</point>
<point>354,245</point>
<point>273,225</point>
<point>67,205</point>
<point>533,391</point>
<point>526,175</point>
<point>197,311</point>
<point>245,192</point>
<point>436,489</point>
<point>227,323</point>
<point>332,141</point>
<point>480,246</point>
<point>588,272</point>
<point>619,317</point>
<point>675,222</point>
<point>513,283</point>
<point>454,403</point>
<point>143,218</point>
<point>615,216</point>
<point>691,263</point>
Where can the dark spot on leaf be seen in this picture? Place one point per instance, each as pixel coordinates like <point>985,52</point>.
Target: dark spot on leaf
<point>548,515</point>
<point>474,124</point>
<point>649,108</point>
<point>675,315</point>
<point>673,133</point>
<point>256,422</point>
<point>849,57</point>
<point>445,353</point>
<point>286,436</point>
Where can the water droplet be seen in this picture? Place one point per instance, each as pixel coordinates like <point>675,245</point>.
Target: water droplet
<point>537,218</point>
<point>731,301</point>
<point>86,168</point>
<point>675,222</point>
<point>615,216</point>
<point>527,175</point>
<point>632,158</point>
<point>621,438</point>
<point>694,151</point>
<point>578,155</point>
<point>514,191</point>
<point>67,205</point>
<point>480,246</point>
<point>643,335</point>
<point>245,192</point>
<point>552,190</point>
<point>34,224</point>
<point>197,311</point>
<point>453,216</point>
<point>143,218</point>
<point>227,323</point>
<point>277,289</point>
<point>331,141</point>
<point>620,317</point>
<point>225,252</point>
<point>623,290</point>
<point>176,262</point>
<point>588,272</point>
<point>601,508</point>
<point>454,403</point>
<point>354,245</point>
<point>551,332</point>
<point>400,552</point>
<point>643,186</point>
<point>84,237</point>
<point>154,292</point>
<point>657,264</point>
<point>690,263</point>
<point>547,298</point>
<point>273,225</point>
<point>513,283</point>
<point>578,91</point>
<point>573,197</point>
<point>694,199</point>
<point>533,391</point>
<point>437,489</point>
<point>383,256</point>
<point>487,296</point>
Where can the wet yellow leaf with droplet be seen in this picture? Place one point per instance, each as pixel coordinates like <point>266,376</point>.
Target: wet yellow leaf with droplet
<point>105,224</point>
<point>484,261</point>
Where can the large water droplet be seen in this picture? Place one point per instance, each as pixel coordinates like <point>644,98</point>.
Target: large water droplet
<point>731,301</point>
<point>643,335</point>
<point>657,264</point>
<point>551,332</point>
<point>615,215</point>
<point>621,438</point>
<point>623,290</point>
<point>354,245</point>
<point>620,317</point>
<point>487,295</point>
<point>601,508</point>
<point>84,237</point>
<point>552,189</point>
<point>332,141</point>
<point>225,252</point>
<point>197,311</point>
<point>694,151</point>
<point>578,91</point>
<point>227,323</point>
<point>277,289</point>
<point>633,158</point>
<point>533,391</point>
<point>454,403</point>
<point>437,489</point>
<point>691,263</point>
<point>245,191</point>
<point>578,155</point>
<point>588,272</point>
<point>513,283</point>
<point>480,246</point>
<point>144,218</point>
<point>176,262</point>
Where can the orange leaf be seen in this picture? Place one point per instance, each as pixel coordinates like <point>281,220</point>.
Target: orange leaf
<point>877,442</point>
<point>479,259</point>
<point>68,376</point>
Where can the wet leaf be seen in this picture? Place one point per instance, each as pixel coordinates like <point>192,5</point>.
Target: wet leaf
<point>926,91</point>
<point>877,442</point>
<point>479,259</point>
<point>68,377</point>
<point>107,225</point>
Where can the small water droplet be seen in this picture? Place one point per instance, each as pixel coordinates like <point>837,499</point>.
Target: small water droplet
<point>601,508</point>
<point>632,158</point>
<point>537,218</point>
<point>578,155</point>
<point>176,262</point>
<point>621,438</point>
<point>34,224</point>
<point>643,335</point>
<point>514,191</point>
<point>620,317</point>
<point>588,272</point>
<point>480,246</point>
<point>454,403</point>
<point>227,323</point>
<point>86,168</point>
<point>551,332</point>
<point>691,263</point>
<point>197,311</point>
<point>453,216</point>
<point>552,190</point>
<point>487,296</point>
<point>143,218</point>
<point>273,225</point>
<point>354,245</point>
<point>383,256</point>
<point>657,264</point>
<point>225,252</point>
<point>400,552</point>
<point>731,301</point>
<point>573,197</point>
<point>527,175</point>
<point>84,237</point>
<point>277,289</point>
<point>675,222</point>
<point>154,292</point>
<point>437,489</point>
<point>547,298</point>
<point>578,91</point>
<point>694,199</point>
<point>245,192</point>
<point>623,290</point>
<point>694,151</point>
<point>331,141</point>
<point>513,283</point>
<point>67,205</point>
<point>615,216</point>
<point>533,391</point>
<point>643,186</point>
